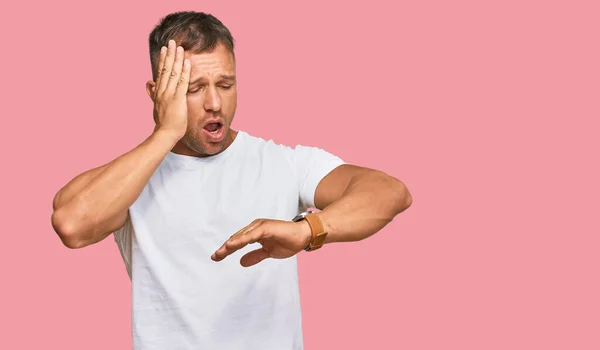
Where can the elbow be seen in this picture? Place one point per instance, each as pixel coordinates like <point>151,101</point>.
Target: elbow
<point>403,197</point>
<point>67,230</point>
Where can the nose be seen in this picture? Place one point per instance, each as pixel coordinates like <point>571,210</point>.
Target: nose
<point>212,100</point>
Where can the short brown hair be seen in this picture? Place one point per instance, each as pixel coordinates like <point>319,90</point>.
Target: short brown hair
<point>196,32</point>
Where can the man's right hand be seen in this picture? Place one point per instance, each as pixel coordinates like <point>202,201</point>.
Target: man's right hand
<point>172,82</point>
<point>96,203</point>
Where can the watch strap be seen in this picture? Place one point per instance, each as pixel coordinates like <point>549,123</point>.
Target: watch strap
<point>318,233</point>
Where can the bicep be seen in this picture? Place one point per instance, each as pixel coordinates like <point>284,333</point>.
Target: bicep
<point>334,184</point>
<point>117,222</point>
<point>112,225</point>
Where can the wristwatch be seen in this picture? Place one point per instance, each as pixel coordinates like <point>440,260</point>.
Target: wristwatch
<point>318,232</point>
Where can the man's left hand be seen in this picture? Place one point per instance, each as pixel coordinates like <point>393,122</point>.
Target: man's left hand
<point>279,240</point>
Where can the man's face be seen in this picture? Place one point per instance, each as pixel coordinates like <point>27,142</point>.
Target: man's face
<point>211,103</point>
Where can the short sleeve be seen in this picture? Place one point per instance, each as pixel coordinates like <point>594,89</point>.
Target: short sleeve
<point>311,165</point>
<point>123,237</point>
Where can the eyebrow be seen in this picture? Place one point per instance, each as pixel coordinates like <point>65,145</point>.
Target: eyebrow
<point>221,77</point>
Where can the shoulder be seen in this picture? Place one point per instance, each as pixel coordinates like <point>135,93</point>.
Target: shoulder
<point>257,146</point>
<point>302,158</point>
<point>253,142</point>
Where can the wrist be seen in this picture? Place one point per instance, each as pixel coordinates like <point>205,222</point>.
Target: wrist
<point>306,233</point>
<point>312,232</point>
<point>170,136</point>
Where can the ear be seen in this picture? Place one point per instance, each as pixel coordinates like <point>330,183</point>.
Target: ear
<point>150,87</point>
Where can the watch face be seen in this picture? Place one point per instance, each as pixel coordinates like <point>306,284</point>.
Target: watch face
<point>301,216</point>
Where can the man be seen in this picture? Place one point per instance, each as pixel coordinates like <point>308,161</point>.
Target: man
<point>196,192</point>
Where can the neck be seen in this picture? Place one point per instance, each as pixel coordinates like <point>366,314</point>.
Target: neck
<point>182,148</point>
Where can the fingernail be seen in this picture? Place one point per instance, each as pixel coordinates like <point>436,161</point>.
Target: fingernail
<point>163,49</point>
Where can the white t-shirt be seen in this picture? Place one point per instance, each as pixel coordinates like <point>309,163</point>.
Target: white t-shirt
<point>181,299</point>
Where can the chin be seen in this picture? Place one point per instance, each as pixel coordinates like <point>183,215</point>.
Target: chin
<point>203,147</point>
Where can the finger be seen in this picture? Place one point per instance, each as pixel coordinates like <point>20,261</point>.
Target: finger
<point>254,257</point>
<point>167,67</point>
<point>175,72</point>
<point>184,79</point>
<point>231,246</point>
<point>254,224</point>
<point>249,237</point>
<point>161,63</point>
<point>223,247</point>
<point>236,243</point>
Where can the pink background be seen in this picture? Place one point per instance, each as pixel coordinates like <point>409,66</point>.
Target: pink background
<point>487,111</point>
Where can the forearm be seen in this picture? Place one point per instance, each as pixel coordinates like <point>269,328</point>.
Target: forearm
<point>66,193</point>
<point>86,210</point>
<point>370,202</point>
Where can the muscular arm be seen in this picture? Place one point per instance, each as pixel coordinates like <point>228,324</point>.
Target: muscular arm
<point>356,202</point>
<point>74,186</point>
<point>359,202</point>
<point>96,203</point>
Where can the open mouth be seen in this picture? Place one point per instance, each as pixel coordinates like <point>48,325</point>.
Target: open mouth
<point>213,127</point>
